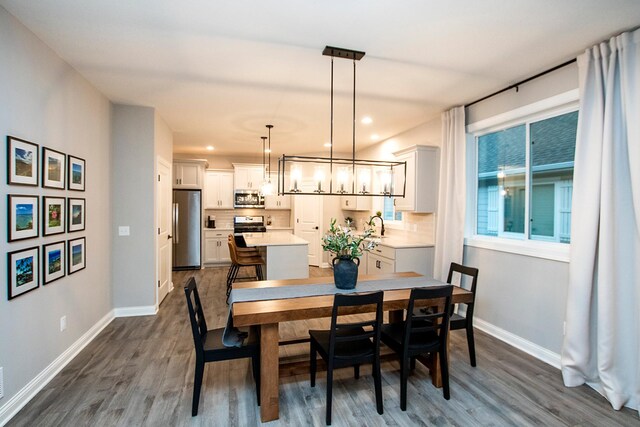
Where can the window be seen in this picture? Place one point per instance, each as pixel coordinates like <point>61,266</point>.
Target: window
<point>389,211</point>
<point>525,179</point>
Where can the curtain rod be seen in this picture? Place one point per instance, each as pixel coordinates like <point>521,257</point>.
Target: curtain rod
<point>516,85</point>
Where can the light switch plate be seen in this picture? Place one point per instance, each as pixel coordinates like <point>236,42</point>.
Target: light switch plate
<point>63,323</point>
<point>1,383</point>
<point>123,230</point>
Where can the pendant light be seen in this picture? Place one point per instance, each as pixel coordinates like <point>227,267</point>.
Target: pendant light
<point>339,176</point>
<point>267,186</point>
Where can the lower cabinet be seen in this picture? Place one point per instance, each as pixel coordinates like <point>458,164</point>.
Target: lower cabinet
<point>216,248</point>
<point>385,259</point>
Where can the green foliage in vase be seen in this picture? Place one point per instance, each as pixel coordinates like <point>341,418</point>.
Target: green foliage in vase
<point>344,243</point>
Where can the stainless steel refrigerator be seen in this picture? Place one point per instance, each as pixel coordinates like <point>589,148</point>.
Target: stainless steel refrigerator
<point>187,221</point>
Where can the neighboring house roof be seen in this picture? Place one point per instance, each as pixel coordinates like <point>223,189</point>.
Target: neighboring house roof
<point>553,141</point>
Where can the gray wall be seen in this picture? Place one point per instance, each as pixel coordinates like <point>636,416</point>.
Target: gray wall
<point>47,102</point>
<point>520,294</point>
<point>133,259</point>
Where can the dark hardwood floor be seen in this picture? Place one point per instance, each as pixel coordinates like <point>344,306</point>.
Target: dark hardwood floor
<point>139,371</point>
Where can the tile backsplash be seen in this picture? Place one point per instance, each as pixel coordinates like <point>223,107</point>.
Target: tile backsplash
<point>224,217</point>
<point>419,225</point>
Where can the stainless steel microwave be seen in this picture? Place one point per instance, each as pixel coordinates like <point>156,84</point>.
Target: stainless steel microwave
<point>248,199</point>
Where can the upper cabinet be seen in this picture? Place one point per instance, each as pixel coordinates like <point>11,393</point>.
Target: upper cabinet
<point>188,174</point>
<point>247,177</point>
<point>218,189</point>
<point>355,203</point>
<point>421,191</point>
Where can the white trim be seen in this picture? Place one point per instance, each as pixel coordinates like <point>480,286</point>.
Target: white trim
<point>519,114</point>
<point>24,395</point>
<point>143,310</point>
<point>534,248</point>
<point>540,353</point>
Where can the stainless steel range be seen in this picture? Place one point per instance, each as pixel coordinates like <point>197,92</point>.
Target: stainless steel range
<point>248,224</point>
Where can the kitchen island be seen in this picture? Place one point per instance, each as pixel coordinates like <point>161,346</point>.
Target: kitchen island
<point>285,255</point>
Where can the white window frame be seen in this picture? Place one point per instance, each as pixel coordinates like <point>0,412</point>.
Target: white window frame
<point>392,224</point>
<point>520,243</point>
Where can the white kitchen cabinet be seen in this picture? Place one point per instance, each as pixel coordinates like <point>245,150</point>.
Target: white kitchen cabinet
<point>218,189</point>
<point>421,191</point>
<point>188,174</point>
<point>216,248</point>
<point>355,203</point>
<point>247,177</point>
<point>362,268</point>
<point>385,259</point>
<point>277,202</point>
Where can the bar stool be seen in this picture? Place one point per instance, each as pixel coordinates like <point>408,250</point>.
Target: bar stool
<point>242,257</point>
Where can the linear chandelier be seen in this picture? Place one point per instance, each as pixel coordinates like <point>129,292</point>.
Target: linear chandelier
<point>329,176</point>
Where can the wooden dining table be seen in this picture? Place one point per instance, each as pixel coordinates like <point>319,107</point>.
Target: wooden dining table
<point>267,314</point>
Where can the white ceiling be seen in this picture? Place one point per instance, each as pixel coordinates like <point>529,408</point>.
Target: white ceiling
<point>218,71</point>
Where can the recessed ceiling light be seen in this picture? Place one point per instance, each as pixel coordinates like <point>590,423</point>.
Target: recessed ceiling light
<point>210,147</point>
<point>375,137</point>
<point>366,120</point>
<point>327,144</point>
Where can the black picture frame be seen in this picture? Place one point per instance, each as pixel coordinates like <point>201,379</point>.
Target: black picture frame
<point>75,219</point>
<point>49,262</point>
<point>53,176</point>
<point>75,173</point>
<point>26,273</point>
<point>75,264</point>
<point>23,155</point>
<point>18,215</point>
<point>47,215</point>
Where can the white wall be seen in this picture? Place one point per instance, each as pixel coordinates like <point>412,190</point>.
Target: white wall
<point>523,295</point>
<point>47,102</point>
<point>133,261</point>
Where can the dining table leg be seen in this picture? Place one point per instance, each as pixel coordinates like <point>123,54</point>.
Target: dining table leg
<point>269,372</point>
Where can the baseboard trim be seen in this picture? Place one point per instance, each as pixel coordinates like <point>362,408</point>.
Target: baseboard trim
<point>143,310</point>
<point>22,397</point>
<point>540,353</point>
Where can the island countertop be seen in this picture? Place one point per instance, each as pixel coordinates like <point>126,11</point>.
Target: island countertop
<point>273,239</point>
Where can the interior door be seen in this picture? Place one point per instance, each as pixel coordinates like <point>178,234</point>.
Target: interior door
<point>308,224</point>
<point>164,245</point>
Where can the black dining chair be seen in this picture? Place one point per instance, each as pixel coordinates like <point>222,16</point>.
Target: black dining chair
<point>349,344</point>
<point>421,333</point>
<point>209,347</point>
<point>465,322</point>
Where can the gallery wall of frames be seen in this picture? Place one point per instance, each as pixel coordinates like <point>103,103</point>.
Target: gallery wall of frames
<point>57,213</point>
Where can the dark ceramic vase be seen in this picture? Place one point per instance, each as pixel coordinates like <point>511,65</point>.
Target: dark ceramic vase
<point>345,272</point>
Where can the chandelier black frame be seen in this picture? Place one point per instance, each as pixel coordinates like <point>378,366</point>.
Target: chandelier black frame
<point>381,165</point>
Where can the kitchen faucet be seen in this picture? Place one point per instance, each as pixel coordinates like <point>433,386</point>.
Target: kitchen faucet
<point>381,221</point>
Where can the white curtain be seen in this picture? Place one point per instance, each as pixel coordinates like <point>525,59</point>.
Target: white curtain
<point>452,195</point>
<point>602,341</point>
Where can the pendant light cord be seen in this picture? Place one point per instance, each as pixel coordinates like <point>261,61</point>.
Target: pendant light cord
<point>353,148</point>
<point>331,135</point>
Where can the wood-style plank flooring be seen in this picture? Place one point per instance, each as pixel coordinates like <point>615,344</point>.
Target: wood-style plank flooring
<point>139,372</point>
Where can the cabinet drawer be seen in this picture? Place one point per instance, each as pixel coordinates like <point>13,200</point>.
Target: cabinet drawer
<point>213,234</point>
<point>384,251</point>
<point>379,265</point>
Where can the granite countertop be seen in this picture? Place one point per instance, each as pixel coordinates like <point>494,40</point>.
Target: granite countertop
<point>271,227</point>
<point>219,229</point>
<point>273,239</point>
<point>398,242</point>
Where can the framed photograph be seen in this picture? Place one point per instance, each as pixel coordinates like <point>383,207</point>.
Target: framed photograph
<point>22,162</point>
<point>23,217</point>
<point>76,215</point>
<point>53,261</point>
<point>75,177</point>
<point>77,254</point>
<point>53,167</point>
<point>23,271</point>
<point>53,215</point>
